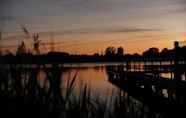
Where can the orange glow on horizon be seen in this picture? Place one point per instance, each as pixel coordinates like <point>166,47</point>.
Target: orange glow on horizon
<point>97,43</point>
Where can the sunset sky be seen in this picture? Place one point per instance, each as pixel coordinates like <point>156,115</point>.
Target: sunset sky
<point>89,26</point>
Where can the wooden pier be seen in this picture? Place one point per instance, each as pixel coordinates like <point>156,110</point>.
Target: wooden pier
<point>145,83</point>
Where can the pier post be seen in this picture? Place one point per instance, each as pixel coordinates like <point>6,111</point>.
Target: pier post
<point>176,61</point>
<point>127,65</point>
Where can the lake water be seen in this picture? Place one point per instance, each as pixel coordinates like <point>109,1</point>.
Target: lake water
<point>93,75</point>
<point>96,77</point>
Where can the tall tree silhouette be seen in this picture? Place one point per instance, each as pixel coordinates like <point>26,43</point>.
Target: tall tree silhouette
<point>110,51</point>
<point>151,52</point>
<point>120,51</point>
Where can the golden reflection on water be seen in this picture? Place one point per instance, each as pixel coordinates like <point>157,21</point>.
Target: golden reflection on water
<point>42,80</point>
<point>167,75</point>
<point>95,78</point>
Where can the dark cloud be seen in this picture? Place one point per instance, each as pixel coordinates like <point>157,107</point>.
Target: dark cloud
<point>89,31</point>
<point>7,18</point>
<point>131,30</point>
<point>100,31</point>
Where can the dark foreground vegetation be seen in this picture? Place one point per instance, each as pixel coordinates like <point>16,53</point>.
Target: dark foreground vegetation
<point>110,54</point>
<point>22,95</point>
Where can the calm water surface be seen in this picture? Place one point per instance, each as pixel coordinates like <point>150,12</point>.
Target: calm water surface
<point>92,75</point>
<point>95,76</point>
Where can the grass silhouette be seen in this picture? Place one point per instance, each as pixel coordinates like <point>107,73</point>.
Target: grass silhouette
<point>22,96</point>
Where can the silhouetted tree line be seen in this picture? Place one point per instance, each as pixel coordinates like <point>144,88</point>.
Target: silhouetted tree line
<point>111,54</point>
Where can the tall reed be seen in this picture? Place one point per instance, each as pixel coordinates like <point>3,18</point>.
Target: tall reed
<point>22,96</point>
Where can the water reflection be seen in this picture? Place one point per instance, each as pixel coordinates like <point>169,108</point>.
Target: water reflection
<point>94,77</point>
<point>48,87</point>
